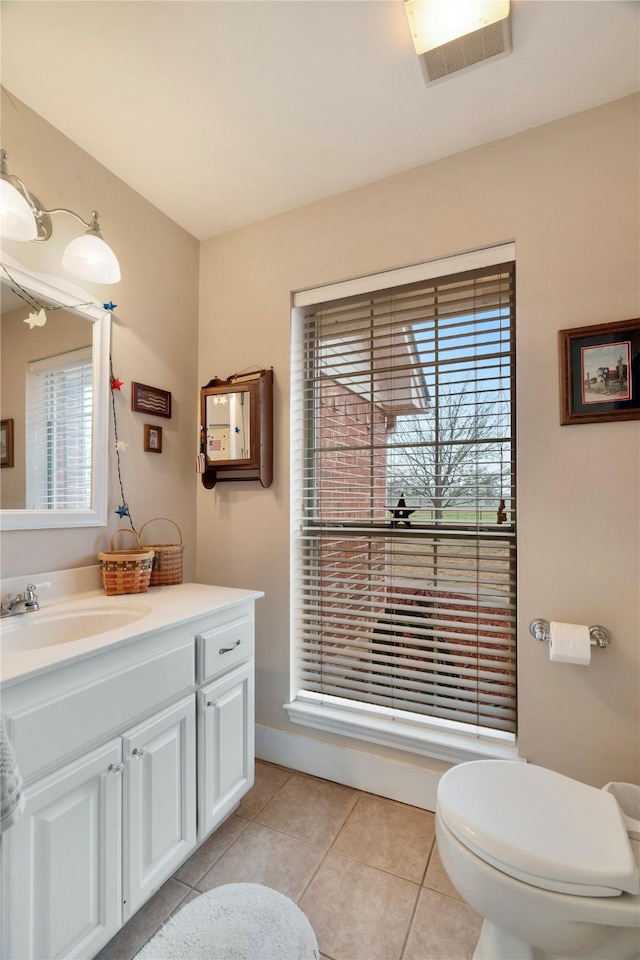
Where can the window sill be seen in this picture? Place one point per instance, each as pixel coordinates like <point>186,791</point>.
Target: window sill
<point>421,738</point>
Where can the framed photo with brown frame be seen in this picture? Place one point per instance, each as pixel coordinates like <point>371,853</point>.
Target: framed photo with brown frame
<point>151,400</point>
<point>6,443</point>
<point>600,372</point>
<point>152,438</point>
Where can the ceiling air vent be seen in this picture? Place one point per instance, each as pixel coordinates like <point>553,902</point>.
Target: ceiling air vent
<point>484,44</point>
<point>454,35</point>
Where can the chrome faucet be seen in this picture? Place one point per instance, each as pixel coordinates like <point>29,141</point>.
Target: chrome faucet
<point>26,602</point>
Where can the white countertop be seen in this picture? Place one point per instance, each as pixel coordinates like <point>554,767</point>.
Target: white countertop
<point>162,607</point>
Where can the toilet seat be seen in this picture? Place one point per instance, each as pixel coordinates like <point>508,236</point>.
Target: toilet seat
<point>539,827</point>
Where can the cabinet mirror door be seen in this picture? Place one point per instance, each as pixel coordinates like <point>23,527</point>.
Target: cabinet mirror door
<point>237,428</point>
<point>228,434</point>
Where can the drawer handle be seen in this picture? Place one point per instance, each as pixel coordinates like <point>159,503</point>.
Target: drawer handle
<point>138,752</point>
<point>115,767</point>
<point>232,647</point>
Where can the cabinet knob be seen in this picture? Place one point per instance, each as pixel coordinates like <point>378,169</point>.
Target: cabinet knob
<point>209,703</point>
<point>138,752</point>
<point>228,649</point>
<point>115,767</point>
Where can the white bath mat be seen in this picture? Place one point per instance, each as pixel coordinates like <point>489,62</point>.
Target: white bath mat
<point>239,921</point>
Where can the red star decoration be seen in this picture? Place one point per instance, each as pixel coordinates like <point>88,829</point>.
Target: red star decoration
<point>116,384</point>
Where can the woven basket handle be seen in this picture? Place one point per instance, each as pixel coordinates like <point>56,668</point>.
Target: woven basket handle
<point>162,518</point>
<point>124,530</point>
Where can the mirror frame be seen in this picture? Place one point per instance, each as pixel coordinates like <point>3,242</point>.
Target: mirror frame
<point>78,301</point>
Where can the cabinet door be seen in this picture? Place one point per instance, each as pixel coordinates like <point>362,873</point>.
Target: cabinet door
<point>62,861</point>
<point>225,745</point>
<point>160,800</point>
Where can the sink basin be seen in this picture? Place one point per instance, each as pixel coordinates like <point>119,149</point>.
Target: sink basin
<point>46,628</point>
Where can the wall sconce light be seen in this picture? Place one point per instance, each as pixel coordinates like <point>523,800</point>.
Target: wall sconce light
<point>452,35</point>
<point>22,217</point>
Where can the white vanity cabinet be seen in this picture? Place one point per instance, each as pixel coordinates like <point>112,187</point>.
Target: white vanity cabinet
<point>226,710</point>
<point>159,800</point>
<point>225,745</point>
<point>130,758</point>
<point>62,861</point>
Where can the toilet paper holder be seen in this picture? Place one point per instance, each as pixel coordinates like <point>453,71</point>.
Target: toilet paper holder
<point>599,636</point>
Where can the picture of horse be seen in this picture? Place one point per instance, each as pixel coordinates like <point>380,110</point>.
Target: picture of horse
<point>605,372</point>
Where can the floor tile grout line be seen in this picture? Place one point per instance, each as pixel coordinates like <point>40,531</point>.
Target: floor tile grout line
<point>420,884</point>
<point>410,924</point>
<point>283,833</point>
<point>389,873</point>
<point>161,922</point>
<point>190,888</point>
<point>330,849</point>
<point>245,820</point>
<point>178,905</point>
<point>267,801</point>
<point>311,878</point>
<point>213,863</point>
<point>429,856</point>
<point>344,822</point>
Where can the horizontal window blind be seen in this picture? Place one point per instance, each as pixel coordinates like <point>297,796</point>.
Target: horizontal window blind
<point>59,431</point>
<point>405,582</point>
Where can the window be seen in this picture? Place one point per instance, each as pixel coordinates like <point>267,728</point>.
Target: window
<point>59,412</point>
<point>404,550</point>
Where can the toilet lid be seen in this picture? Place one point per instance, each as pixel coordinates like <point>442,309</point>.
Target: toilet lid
<point>539,826</point>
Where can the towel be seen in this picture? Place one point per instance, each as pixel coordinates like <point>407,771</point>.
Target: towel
<point>11,789</point>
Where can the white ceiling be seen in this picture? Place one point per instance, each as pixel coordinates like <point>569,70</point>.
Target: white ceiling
<point>224,112</point>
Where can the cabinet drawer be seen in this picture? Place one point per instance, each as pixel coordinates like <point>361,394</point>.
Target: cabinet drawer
<point>223,647</point>
<point>46,733</point>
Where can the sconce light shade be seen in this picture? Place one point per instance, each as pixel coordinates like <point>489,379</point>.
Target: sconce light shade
<point>90,258</point>
<point>23,217</point>
<point>17,221</point>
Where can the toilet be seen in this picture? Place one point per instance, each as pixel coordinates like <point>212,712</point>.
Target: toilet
<point>545,860</point>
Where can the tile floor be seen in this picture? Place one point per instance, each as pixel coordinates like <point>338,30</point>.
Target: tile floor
<point>365,871</point>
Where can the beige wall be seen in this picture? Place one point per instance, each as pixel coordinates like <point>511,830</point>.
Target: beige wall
<point>154,337</point>
<point>567,193</point>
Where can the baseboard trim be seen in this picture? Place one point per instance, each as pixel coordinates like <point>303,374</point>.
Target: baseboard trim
<point>393,779</point>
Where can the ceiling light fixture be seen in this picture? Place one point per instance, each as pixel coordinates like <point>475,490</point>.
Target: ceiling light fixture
<point>22,217</point>
<point>453,35</point>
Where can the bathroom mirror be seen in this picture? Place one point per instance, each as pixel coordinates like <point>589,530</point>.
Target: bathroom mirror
<point>237,428</point>
<point>228,420</point>
<point>55,386</point>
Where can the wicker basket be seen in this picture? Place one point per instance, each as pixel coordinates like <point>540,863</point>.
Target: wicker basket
<point>167,560</point>
<point>126,571</point>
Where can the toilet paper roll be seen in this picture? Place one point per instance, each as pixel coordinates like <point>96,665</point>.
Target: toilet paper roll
<point>569,643</point>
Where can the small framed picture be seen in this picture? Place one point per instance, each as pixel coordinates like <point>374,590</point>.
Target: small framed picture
<point>600,372</point>
<point>152,438</point>
<point>6,443</point>
<point>152,400</point>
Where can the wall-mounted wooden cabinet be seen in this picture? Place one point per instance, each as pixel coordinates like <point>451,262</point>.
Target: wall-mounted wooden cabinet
<point>237,428</point>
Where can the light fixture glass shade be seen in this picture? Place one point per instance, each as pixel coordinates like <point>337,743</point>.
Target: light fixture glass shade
<point>436,22</point>
<point>89,258</point>
<point>17,221</point>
